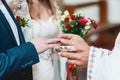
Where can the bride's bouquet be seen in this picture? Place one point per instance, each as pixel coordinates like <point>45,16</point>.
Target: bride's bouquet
<point>76,24</point>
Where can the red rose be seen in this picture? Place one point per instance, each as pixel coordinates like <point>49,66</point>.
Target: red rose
<point>66,19</point>
<point>72,17</point>
<point>67,26</point>
<point>18,18</point>
<point>83,21</point>
<point>94,24</point>
<point>22,21</point>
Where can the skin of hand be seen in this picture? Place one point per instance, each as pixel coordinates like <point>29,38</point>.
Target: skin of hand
<point>80,57</point>
<point>41,44</point>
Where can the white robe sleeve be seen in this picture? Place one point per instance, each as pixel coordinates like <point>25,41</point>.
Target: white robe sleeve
<point>104,64</point>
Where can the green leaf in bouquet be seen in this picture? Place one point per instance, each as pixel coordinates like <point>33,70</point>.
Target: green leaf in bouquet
<point>63,22</point>
<point>73,22</point>
<point>61,13</point>
<point>78,15</point>
<point>62,26</point>
<point>65,30</point>
<point>75,72</point>
<point>76,30</point>
<point>80,34</point>
<point>72,30</point>
<point>81,28</point>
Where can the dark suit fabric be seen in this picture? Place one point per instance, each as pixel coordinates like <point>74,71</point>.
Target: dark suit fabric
<point>15,61</point>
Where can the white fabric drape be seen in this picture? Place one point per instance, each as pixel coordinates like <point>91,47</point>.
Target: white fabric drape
<point>104,64</point>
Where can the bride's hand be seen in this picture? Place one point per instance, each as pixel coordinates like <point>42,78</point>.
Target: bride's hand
<point>41,44</point>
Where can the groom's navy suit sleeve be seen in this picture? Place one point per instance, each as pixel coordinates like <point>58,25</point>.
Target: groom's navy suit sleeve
<point>17,58</point>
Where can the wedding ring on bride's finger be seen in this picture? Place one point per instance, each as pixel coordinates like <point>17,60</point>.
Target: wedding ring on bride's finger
<point>64,49</point>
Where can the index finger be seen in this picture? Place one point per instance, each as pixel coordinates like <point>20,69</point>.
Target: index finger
<point>65,36</point>
<point>51,41</point>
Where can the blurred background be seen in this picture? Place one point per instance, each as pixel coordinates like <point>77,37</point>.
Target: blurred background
<point>105,12</point>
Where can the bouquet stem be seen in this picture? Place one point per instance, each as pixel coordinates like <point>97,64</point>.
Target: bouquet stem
<point>73,73</point>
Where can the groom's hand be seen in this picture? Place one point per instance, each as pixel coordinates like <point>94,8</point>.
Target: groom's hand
<point>41,44</point>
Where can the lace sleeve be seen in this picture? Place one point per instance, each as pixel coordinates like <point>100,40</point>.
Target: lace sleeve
<point>8,1</point>
<point>19,8</point>
<point>23,9</point>
<point>13,5</point>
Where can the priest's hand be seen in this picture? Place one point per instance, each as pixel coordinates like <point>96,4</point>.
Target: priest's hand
<point>80,57</point>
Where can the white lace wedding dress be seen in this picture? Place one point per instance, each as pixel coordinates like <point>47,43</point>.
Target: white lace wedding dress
<point>51,66</point>
<point>44,70</point>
